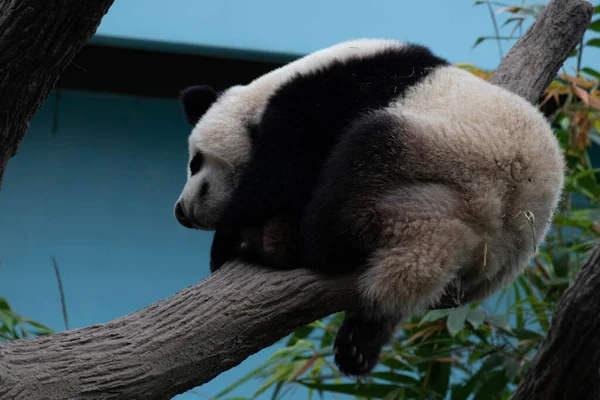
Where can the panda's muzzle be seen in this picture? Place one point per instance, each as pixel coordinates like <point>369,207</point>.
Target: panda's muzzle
<point>180,216</point>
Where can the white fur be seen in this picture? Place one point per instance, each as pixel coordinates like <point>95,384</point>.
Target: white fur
<point>222,137</point>
<point>502,172</point>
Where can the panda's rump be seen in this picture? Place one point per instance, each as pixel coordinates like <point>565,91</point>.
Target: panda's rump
<point>419,198</point>
<point>368,189</point>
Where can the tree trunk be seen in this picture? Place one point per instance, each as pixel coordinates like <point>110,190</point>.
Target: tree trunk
<point>191,337</point>
<point>38,40</point>
<point>567,363</point>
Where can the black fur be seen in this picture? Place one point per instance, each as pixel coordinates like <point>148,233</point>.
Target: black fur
<point>336,233</point>
<point>320,146</point>
<point>196,100</point>
<point>359,341</point>
<point>302,123</point>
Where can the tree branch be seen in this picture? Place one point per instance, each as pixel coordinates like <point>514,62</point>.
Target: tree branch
<point>191,337</point>
<point>534,60</point>
<point>38,40</point>
<point>175,344</point>
<point>567,363</point>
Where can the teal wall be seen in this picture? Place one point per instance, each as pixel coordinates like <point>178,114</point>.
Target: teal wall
<point>99,197</point>
<point>299,27</point>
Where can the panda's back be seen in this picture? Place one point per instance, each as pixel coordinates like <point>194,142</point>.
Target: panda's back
<point>465,126</point>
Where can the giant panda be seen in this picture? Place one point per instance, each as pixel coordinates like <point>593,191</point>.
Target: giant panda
<point>378,158</point>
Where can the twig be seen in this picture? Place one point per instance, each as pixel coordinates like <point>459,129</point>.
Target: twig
<point>496,29</point>
<point>62,293</point>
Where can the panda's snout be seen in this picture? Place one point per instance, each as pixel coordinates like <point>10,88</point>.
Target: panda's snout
<point>180,216</point>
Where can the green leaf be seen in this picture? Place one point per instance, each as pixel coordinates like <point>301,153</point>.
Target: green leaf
<point>395,377</point>
<point>519,309</point>
<point>518,18</point>
<point>476,317</point>
<point>37,325</point>
<point>300,333</point>
<point>359,390</point>
<point>493,388</point>
<point>440,377</point>
<point>456,320</point>
<point>595,26</point>
<point>593,42</point>
<point>511,366</point>
<point>597,10</point>
<point>561,264</point>
<point>496,3</point>
<point>478,41</point>
<point>395,395</point>
<point>241,381</point>
<point>463,392</point>
<point>7,318</point>
<point>394,363</point>
<point>491,362</point>
<point>526,334</point>
<point>4,304</point>
<point>282,372</point>
<point>499,321</point>
<point>434,315</point>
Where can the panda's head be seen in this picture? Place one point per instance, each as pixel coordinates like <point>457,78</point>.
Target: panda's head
<point>219,148</point>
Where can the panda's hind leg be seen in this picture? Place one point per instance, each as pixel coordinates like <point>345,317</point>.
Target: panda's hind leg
<point>411,271</point>
<point>406,239</point>
<point>360,339</point>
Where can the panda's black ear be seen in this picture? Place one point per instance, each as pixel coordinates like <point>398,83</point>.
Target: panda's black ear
<point>196,100</point>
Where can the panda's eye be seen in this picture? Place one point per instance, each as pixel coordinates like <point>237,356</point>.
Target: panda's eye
<point>196,163</point>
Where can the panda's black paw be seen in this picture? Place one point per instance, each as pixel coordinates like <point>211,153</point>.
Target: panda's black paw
<point>358,345</point>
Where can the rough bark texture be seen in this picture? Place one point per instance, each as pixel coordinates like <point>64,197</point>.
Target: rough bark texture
<point>38,39</point>
<point>532,63</point>
<point>567,364</point>
<point>191,337</point>
<point>175,344</point>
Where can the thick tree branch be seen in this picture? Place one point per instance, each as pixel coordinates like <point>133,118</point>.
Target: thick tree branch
<point>189,338</point>
<point>567,365</point>
<point>175,344</point>
<point>534,60</point>
<point>38,40</point>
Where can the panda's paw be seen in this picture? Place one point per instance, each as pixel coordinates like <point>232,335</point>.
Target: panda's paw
<point>357,347</point>
<point>251,245</point>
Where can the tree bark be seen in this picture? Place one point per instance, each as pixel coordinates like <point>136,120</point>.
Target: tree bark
<point>175,344</point>
<point>567,364</point>
<point>532,63</point>
<point>38,40</point>
<point>191,337</point>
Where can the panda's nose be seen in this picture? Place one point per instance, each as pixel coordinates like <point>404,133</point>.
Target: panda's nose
<point>180,215</point>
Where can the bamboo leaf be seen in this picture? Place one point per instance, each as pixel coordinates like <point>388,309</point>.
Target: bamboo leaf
<point>593,43</point>
<point>476,317</point>
<point>359,390</point>
<point>434,315</point>
<point>499,321</point>
<point>595,26</point>
<point>456,320</point>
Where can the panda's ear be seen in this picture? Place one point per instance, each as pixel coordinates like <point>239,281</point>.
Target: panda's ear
<point>196,100</point>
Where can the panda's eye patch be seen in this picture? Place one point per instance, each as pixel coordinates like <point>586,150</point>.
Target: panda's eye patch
<point>196,163</point>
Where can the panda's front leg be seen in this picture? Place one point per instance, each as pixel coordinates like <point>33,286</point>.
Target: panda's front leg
<point>225,247</point>
<point>244,213</point>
